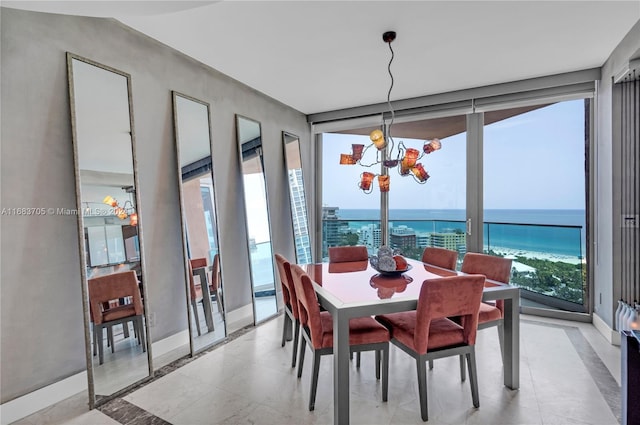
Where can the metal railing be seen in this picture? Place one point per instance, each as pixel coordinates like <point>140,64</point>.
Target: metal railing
<point>549,262</point>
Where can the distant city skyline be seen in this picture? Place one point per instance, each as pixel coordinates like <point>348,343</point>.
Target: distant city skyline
<point>531,161</point>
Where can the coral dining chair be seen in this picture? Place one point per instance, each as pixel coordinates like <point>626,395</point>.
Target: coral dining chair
<point>491,314</point>
<point>494,268</point>
<point>195,295</point>
<point>291,318</point>
<point>441,257</point>
<point>349,254</point>
<point>365,334</point>
<point>427,333</point>
<point>343,254</point>
<point>114,287</point>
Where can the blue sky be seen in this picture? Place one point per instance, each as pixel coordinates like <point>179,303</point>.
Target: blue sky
<point>532,161</point>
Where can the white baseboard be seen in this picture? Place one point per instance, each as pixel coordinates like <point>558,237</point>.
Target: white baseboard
<point>610,335</point>
<point>28,404</point>
<point>21,407</point>
<point>239,318</point>
<point>170,343</point>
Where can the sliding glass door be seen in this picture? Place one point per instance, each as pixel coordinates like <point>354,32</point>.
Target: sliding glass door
<point>534,199</point>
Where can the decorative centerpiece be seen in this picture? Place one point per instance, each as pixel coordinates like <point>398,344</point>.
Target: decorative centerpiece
<point>386,263</point>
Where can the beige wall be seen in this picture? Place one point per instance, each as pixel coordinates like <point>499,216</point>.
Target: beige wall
<point>606,194</point>
<point>42,338</point>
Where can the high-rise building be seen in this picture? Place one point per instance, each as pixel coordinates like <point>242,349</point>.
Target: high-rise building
<point>402,237</point>
<point>371,236</point>
<point>299,216</point>
<point>449,240</point>
<point>330,229</point>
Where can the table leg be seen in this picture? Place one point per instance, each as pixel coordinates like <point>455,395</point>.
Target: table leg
<point>340,368</point>
<point>511,360</point>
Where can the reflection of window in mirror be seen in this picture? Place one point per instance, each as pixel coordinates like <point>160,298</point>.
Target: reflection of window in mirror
<point>297,197</point>
<point>257,218</point>
<point>197,204</point>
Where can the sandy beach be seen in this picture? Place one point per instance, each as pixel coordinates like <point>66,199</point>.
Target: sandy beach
<point>513,253</point>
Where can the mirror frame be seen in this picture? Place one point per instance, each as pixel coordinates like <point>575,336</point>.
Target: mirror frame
<point>286,139</point>
<point>183,221</point>
<point>93,402</point>
<point>238,117</point>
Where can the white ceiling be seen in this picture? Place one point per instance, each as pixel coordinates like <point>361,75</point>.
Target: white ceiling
<point>323,55</point>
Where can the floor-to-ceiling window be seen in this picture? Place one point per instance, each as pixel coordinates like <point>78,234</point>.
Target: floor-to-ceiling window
<point>349,215</point>
<point>534,199</point>
<point>511,179</point>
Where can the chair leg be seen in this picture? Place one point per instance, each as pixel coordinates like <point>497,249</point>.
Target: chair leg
<point>125,329</point>
<point>110,338</point>
<point>473,376</point>
<point>219,303</point>
<point>463,375</point>
<point>430,364</point>
<point>385,373</point>
<point>501,338</point>
<point>358,360</point>
<point>296,339</point>
<point>377,363</point>
<point>314,380</point>
<point>303,345</point>
<point>194,307</point>
<point>95,339</point>
<point>285,328</point>
<point>100,343</point>
<point>421,365</point>
<point>142,340</point>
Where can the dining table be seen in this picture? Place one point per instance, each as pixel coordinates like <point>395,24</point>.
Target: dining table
<point>356,289</point>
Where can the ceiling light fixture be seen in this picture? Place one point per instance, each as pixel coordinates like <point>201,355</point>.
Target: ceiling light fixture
<point>386,156</point>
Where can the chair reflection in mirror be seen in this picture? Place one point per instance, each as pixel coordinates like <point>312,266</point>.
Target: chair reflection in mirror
<point>115,299</point>
<point>207,286</point>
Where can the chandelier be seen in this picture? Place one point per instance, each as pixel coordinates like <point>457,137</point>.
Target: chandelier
<point>404,159</point>
<point>124,211</point>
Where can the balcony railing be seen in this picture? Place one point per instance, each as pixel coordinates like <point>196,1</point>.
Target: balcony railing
<point>548,260</point>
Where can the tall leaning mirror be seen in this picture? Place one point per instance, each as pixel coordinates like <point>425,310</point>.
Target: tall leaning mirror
<point>257,219</point>
<point>109,227</point>
<point>297,197</point>
<point>199,224</point>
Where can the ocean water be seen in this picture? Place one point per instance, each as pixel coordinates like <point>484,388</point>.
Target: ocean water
<point>561,232</point>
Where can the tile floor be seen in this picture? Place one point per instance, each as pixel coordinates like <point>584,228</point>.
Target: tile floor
<point>569,375</point>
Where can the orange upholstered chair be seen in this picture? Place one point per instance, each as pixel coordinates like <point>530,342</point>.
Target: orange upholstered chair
<point>441,257</point>
<point>349,254</point>
<point>427,333</point>
<point>343,254</point>
<point>494,268</point>
<point>195,292</point>
<point>291,318</point>
<point>365,334</point>
<point>113,287</point>
<point>491,314</point>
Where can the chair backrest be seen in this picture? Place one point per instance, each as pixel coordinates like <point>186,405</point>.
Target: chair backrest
<point>494,268</point>
<point>215,273</point>
<point>448,297</point>
<point>343,254</point>
<point>308,308</point>
<point>196,263</point>
<point>288,289</point>
<point>112,287</point>
<point>193,294</point>
<point>441,257</point>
